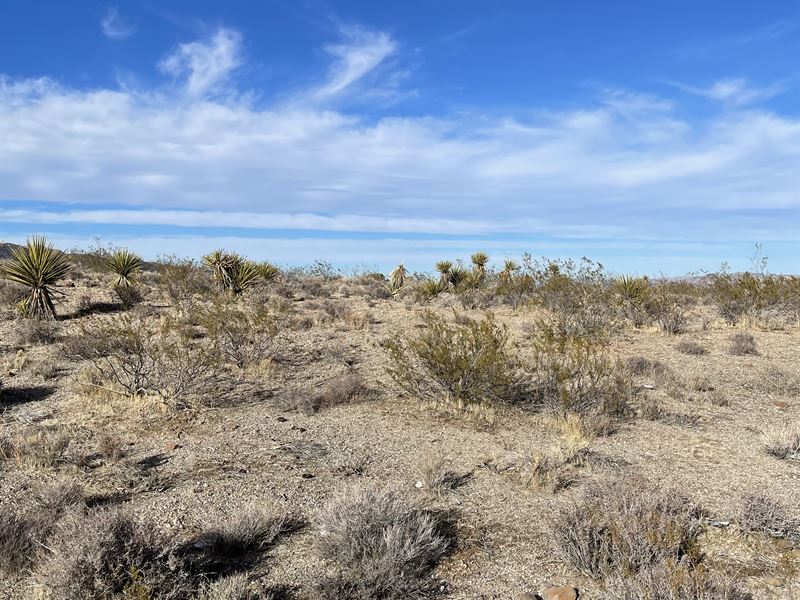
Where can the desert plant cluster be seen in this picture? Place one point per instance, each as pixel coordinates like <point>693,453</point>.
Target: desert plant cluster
<point>225,429</point>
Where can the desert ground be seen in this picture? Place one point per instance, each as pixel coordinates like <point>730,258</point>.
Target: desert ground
<point>276,445</point>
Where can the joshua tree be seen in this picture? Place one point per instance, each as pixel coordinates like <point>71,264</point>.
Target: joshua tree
<point>37,266</point>
<point>126,266</point>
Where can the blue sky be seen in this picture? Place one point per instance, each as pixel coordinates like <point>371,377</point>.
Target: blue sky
<point>654,137</point>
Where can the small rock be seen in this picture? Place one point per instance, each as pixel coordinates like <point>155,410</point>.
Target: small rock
<point>281,419</point>
<point>563,592</point>
<point>784,545</point>
<point>172,446</point>
<point>775,582</point>
<point>418,484</point>
<point>307,476</point>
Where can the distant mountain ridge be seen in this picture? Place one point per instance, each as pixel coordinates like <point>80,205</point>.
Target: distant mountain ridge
<point>6,249</point>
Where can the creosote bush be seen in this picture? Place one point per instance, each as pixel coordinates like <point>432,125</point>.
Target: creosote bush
<point>243,335</point>
<point>380,546</point>
<point>624,527</point>
<point>458,364</point>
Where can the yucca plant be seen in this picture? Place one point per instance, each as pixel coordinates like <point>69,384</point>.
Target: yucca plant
<point>126,266</point>
<point>479,261</point>
<point>433,287</point>
<point>268,271</point>
<point>243,273</point>
<point>397,279</point>
<point>456,276</point>
<point>510,268</point>
<point>37,266</point>
<point>632,289</point>
<point>444,267</point>
<point>220,262</point>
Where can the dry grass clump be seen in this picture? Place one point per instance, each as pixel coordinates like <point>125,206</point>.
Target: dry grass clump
<point>674,581</point>
<point>343,390</point>
<point>380,545</point>
<point>701,383</point>
<point>440,479</point>
<point>233,543</point>
<point>743,344</point>
<point>776,382</point>
<point>30,332</point>
<point>761,514</point>
<point>20,536</point>
<point>689,347</point>
<point>36,447</point>
<point>783,443</point>
<point>238,587</point>
<point>640,365</point>
<point>626,526</point>
<point>458,364</point>
<point>555,469</point>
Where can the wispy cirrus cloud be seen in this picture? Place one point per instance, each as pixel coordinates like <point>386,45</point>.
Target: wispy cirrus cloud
<point>205,65</point>
<point>359,54</point>
<point>735,91</point>
<point>114,26</point>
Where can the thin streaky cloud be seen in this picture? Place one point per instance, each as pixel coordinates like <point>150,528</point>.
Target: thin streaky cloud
<point>735,91</point>
<point>763,35</point>
<point>115,27</point>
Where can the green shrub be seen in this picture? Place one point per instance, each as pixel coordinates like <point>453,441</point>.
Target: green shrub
<point>460,364</point>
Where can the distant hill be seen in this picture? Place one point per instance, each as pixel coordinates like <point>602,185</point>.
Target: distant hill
<point>6,248</point>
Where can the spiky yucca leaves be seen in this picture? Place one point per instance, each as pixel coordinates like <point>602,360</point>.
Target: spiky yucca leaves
<point>632,289</point>
<point>243,274</point>
<point>456,277</point>
<point>126,266</point>
<point>37,266</point>
<point>444,267</point>
<point>510,268</point>
<point>397,279</point>
<point>268,271</point>
<point>233,272</point>
<point>220,262</point>
<point>433,287</point>
<point>479,261</point>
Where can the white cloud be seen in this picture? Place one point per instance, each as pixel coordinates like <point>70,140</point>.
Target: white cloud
<point>626,164</point>
<point>206,65</point>
<point>361,52</point>
<point>735,91</point>
<point>114,26</point>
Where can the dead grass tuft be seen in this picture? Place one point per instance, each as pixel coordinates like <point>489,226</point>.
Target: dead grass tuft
<point>743,344</point>
<point>783,443</point>
<point>761,514</point>
<point>689,347</point>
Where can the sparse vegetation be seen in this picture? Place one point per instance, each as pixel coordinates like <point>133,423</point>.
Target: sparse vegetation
<point>783,443</point>
<point>743,344</point>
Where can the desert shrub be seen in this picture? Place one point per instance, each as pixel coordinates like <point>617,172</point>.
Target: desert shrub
<point>748,296</point>
<point>460,364</point>
<point>640,365</point>
<point>689,347</point>
<point>242,336</point>
<point>238,587</point>
<point>56,498</point>
<point>633,294</point>
<point>574,375</point>
<point>783,443</point>
<point>343,390</point>
<point>775,381</point>
<point>761,514</point>
<point>578,296</point>
<point>182,281</point>
<point>624,527</point>
<point>28,332</point>
<point>742,344</point>
<point>651,408</point>
<point>138,359</point>
<point>380,545</point>
<point>701,383</point>
<point>107,555</point>
<point>670,311</point>
<point>128,295</point>
<point>674,581</point>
